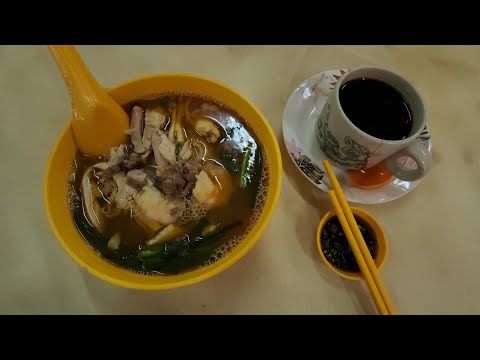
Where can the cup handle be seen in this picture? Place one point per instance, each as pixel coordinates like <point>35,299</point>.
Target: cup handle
<point>418,153</point>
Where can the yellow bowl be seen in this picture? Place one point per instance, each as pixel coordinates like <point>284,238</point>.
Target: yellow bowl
<point>60,162</point>
<point>381,239</point>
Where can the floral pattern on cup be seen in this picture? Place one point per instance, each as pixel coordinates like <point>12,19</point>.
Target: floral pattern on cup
<point>351,154</point>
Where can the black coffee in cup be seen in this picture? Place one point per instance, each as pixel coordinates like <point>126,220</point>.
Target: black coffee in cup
<point>376,108</point>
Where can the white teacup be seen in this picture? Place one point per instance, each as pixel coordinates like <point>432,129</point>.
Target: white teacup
<point>345,145</point>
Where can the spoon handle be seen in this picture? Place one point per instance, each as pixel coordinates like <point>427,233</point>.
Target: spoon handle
<point>81,85</point>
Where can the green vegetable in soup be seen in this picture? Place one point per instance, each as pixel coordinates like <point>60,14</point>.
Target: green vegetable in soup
<point>231,162</point>
<point>151,250</point>
<point>172,256</point>
<point>245,171</point>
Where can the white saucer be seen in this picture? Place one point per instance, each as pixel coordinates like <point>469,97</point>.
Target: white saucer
<point>303,107</point>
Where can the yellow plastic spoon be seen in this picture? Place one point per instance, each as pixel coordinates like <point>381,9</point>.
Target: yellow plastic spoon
<point>98,122</point>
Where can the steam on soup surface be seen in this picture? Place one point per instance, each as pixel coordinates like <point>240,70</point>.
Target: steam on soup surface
<point>183,192</point>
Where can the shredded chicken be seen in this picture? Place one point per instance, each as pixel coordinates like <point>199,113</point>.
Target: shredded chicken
<point>154,120</point>
<point>117,154</point>
<point>163,149</point>
<point>136,129</point>
<point>125,193</point>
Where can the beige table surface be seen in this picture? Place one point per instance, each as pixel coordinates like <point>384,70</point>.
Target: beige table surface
<point>433,232</point>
